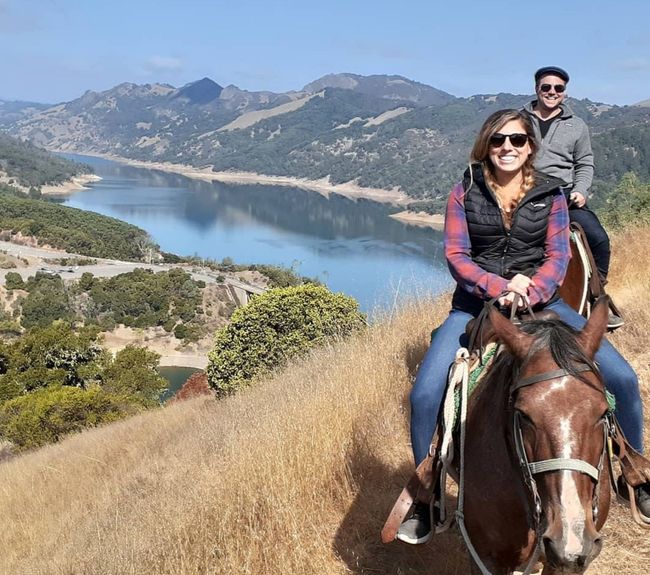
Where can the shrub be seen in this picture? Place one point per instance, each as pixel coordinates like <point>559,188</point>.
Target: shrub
<point>274,327</point>
<point>629,204</point>
<point>13,280</point>
<point>134,372</point>
<point>46,415</point>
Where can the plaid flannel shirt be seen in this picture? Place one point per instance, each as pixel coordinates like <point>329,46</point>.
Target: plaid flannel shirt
<point>474,279</point>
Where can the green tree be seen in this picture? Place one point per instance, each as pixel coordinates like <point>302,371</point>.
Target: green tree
<point>628,204</point>
<point>46,415</point>
<point>54,355</point>
<point>13,280</point>
<point>274,327</point>
<point>134,372</point>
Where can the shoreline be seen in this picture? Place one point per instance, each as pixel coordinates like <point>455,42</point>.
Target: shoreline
<point>323,186</point>
<point>421,219</point>
<point>74,184</point>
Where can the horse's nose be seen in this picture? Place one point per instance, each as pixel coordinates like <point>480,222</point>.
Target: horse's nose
<point>558,557</point>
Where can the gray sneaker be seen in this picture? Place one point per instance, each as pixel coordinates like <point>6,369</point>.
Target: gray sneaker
<point>614,321</point>
<point>417,528</point>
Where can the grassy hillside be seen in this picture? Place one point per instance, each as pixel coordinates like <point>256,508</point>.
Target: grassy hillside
<point>293,477</point>
<point>72,229</point>
<point>30,166</point>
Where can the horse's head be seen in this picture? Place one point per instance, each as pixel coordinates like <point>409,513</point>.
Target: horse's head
<point>559,432</point>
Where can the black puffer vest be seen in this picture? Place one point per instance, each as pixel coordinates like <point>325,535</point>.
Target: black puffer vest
<point>519,250</point>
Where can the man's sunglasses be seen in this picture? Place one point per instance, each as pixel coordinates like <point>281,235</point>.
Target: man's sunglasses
<point>559,88</point>
<point>517,140</point>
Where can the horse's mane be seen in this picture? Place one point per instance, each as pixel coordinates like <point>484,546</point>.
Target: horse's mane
<point>552,335</point>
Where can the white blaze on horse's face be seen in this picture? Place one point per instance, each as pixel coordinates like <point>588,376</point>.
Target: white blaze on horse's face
<point>573,512</point>
<point>567,496</point>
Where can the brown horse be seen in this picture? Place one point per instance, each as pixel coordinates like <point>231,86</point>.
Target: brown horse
<point>536,476</point>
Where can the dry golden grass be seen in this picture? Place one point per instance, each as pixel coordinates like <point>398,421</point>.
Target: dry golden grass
<point>293,476</point>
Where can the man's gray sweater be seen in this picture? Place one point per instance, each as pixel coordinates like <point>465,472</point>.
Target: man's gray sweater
<point>565,151</point>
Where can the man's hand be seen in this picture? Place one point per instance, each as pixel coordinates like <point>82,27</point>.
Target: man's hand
<point>577,199</point>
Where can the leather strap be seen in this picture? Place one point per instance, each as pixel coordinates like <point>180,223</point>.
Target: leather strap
<point>419,488</point>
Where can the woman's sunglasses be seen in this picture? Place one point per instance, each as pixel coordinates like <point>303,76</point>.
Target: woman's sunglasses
<point>517,140</point>
<point>559,88</point>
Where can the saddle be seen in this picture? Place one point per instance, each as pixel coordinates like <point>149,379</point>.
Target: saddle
<point>582,285</point>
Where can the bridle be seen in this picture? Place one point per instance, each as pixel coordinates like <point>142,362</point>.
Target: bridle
<point>530,469</point>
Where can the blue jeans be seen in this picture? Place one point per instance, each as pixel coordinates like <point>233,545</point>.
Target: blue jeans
<point>431,380</point>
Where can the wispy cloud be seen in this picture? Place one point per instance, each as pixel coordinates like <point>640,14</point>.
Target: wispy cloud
<point>162,64</point>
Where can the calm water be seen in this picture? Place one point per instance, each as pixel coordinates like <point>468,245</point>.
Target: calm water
<point>176,376</point>
<point>352,246</point>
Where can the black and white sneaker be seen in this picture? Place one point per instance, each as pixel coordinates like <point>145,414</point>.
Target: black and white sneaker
<point>614,321</point>
<point>642,495</point>
<point>417,528</point>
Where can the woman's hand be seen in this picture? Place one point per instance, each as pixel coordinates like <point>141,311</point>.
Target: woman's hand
<point>520,284</point>
<point>506,300</point>
<point>517,286</point>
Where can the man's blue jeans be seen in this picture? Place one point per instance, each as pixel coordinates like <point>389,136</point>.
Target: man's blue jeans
<point>431,380</point>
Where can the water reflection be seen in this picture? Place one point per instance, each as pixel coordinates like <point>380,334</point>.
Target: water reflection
<point>352,245</point>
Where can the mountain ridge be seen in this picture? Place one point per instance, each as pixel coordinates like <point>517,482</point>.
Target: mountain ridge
<point>379,131</point>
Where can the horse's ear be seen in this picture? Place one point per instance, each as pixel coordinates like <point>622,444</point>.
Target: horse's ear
<point>593,331</point>
<point>517,341</point>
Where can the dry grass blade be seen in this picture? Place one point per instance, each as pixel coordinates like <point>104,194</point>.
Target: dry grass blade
<point>294,476</point>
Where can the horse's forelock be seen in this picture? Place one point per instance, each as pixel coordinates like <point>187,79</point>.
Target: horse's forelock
<point>561,341</point>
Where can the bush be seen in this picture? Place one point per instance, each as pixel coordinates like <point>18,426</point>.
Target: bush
<point>629,204</point>
<point>134,372</point>
<point>46,415</point>
<point>13,280</point>
<point>274,327</point>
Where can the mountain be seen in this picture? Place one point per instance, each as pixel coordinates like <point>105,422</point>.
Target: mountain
<point>377,131</point>
<point>200,92</point>
<point>12,111</point>
<point>25,166</point>
<point>389,87</point>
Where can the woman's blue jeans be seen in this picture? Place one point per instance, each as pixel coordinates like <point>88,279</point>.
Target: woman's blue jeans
<point>431,380</point>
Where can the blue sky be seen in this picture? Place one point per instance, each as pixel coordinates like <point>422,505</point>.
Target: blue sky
<point>54,50</point>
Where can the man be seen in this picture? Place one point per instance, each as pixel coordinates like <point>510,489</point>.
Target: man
<point>565,152</point>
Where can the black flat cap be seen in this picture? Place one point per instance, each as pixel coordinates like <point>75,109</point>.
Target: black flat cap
<point>551,71</point>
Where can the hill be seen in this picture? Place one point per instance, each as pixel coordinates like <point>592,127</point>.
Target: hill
<point>25,166</point>
<point>377,131</point>
<point>294,476</point>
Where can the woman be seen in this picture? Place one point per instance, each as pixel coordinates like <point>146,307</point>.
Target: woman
<point>506,230</point>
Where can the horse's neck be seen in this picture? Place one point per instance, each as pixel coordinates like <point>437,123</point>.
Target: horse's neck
<point>488,407</point>
<point>489,424</point>
<point>494,489</point>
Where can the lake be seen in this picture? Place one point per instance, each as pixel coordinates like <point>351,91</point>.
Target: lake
<point>352,246</point>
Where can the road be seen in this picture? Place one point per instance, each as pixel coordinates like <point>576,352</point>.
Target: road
<point>106,268</point>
